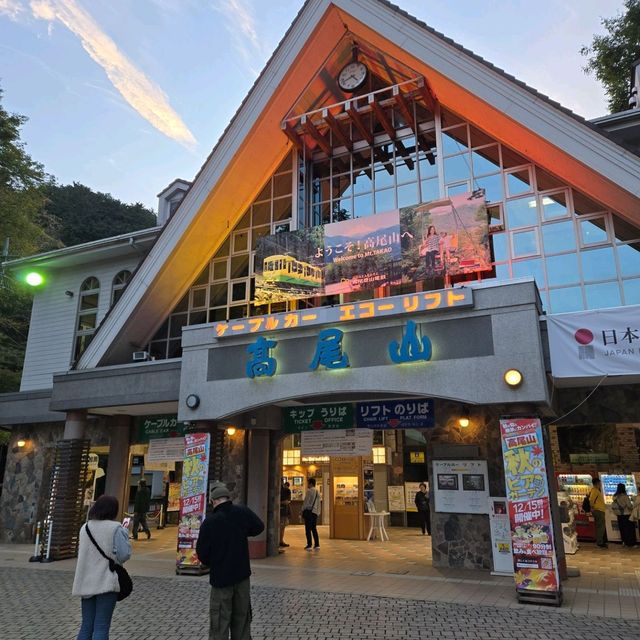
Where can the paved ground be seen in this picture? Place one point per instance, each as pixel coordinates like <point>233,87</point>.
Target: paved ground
<point>36,605</point>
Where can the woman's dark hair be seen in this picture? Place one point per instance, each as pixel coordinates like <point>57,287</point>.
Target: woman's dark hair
<point>312,482</point>
<point>429,230</point>
<point>620,488</point>
<point>422,484</point>
<point>104,508</point>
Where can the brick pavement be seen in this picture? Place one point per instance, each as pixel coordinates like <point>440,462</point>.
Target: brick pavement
<point>36,605</point>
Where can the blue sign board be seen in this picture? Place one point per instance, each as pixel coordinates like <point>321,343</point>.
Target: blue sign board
<point>396,414</point>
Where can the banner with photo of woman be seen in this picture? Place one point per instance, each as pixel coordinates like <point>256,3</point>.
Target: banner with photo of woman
<point>430,240</point>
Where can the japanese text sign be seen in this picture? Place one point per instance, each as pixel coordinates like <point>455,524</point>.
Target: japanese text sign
<point>340,442</point>
<point>534,557</point>
<point>165,426</point>
<point>318,417</point>
<point>195,471</point>
<point>396,414</point>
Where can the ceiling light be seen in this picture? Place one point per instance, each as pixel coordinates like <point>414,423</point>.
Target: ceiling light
<point>231,431</point>
<point>513,378</point>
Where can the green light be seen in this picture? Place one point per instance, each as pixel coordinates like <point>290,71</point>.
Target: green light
<point>34,279</point>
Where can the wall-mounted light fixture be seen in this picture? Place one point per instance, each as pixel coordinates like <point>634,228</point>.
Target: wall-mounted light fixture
<point>68,293</point>
<point>21,443</point>
<point>231,431</point>
<point>464,420</point>
<point>513,378</point>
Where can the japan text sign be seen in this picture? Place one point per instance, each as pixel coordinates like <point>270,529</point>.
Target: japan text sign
<point>195,471</point>
<point>164,426</point>
<point>318,417</point>
<point>534,557</point>
<point>396,414</point>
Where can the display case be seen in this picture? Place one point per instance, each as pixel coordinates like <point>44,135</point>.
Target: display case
<point>577,487</point>
<point>610,483</point>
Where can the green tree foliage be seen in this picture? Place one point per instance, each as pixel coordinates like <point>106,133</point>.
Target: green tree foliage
<point>610,56</point>
<point>85,215</point>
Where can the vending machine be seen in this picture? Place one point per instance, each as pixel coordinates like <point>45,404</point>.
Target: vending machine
<point>610,482</point>
<point>577,486</point>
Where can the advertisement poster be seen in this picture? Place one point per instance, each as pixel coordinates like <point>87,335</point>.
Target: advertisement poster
<point>395,495</point>
<point>337,442</point>
<point>396,414</point>
<point>193,492</point>
<point>594,343</point>
<point>317,417</point>
<point>500,537</point>
<point>534,557</point>
<point>461,486</point>
<point>436,239</point>
<point>410,490</point>
<point>173,500</point>
<point>165,450</point>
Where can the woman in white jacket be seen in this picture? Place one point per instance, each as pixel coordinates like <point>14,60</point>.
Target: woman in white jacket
<point>94,582</point>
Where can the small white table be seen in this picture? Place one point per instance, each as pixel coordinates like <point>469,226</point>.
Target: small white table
<point>377,523</point>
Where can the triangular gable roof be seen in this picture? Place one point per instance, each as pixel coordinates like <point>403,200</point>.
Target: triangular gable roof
<point>253,145</point>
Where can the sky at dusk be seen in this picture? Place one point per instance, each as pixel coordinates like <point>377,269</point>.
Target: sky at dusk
<point>126,95</point>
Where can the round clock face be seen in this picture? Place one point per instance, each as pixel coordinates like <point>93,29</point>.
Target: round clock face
<point>352,76</point>
<point>193,401</point>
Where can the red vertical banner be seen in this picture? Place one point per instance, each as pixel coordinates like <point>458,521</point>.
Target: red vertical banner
<point>534,555</point>
<point>193,498</point>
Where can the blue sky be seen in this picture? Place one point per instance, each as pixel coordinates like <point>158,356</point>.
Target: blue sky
<point>126,95</point>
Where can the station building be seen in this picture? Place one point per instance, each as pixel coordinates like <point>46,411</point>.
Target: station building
<point>361,110</point>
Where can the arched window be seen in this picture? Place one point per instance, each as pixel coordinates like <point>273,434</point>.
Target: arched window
<point>87,315</point>
<point>119,283</point>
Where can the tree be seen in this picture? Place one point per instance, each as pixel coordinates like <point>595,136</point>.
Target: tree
<point>610,56</point>
<point>85,215</point>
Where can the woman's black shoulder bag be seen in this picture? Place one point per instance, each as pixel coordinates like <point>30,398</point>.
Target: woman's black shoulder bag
<point>124,579</point>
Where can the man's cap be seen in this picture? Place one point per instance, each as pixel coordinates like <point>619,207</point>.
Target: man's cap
<point>219,490</point>
<point>142,483</point>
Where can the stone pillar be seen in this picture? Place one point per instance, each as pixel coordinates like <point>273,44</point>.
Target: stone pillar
<point>258,486</point>
<point>118,464</point>
<point>75,425</point>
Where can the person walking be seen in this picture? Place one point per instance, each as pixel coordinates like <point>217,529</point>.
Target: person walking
<point>311,509</point>
<point>140,508</point>
<point>596,500</point>
<point>285,511</point>
<point>424,512</point>
<point>223,546</point>
<point>622,506</point>
<point>94,582</point>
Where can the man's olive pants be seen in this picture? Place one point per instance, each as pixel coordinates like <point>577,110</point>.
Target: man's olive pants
<point>230,611</point>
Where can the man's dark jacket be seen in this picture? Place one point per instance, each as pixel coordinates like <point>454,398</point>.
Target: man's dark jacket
<point>142,501</point>
<point>422,501</point>
<point>223,546</point>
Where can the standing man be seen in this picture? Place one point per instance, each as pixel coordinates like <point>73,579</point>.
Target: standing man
<point>596,500</point>
<point>285,511</point>
<point>223,546</point>
<point>424,512</point>
<point>140,508</point>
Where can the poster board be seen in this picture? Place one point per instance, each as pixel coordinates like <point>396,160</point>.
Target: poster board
<point>193,499</point>
<point>500,537</point>
<point>173,499</point>
<point>461,486</point>
<point>532,536</point>
<point>395,495</point>
<point>337,442</point>
<point>165,450</point>
<point>410,490</point>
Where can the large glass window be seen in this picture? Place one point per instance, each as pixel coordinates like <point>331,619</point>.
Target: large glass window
<point>558,237</point>
<point>629,258</point>
<point>120,281</point>
<point>565,300</point>
<point>593,231</point>
<point>522,213</point>
<point>600,296</point>
<point>598,264</point>
<point>562,269</point>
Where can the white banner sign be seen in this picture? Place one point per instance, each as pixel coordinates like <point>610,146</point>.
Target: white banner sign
<point>337,442</point>
<point>461,486</point>
<point>395,495</point>
<point>165,450</point>
<point>595,343</point>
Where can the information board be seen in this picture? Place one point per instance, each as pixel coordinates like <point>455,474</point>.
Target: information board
<point>534,555</point>
<point>461,486</point>
<point>395,495</point>
<point>500,537</point>
<point>318,417</point>
<point>410,490</point>
<point>337,442</point>
<point>164,426</point>
<point>165,450</point>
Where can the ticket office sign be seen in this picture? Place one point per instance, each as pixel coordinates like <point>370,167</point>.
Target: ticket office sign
<point>534,554</point>
<point>193,493</point>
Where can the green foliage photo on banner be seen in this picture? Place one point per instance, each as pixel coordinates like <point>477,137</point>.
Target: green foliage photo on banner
<point>438,239</point>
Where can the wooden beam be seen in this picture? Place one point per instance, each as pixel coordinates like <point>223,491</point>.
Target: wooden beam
<point>382,117</point>
<point>310,128</point>
<point>402,150</point>
<point>404,107</point>
<point>424,91</point>
<point>352,110</point>
<point>336,129</point>
<point>292,135</point>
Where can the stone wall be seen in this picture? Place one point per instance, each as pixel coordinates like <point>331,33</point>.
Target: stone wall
<point>27,476</point>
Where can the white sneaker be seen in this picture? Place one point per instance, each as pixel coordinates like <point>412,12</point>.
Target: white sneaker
<point>307,548</point>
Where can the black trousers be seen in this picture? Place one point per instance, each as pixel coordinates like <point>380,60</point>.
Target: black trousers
<point>140,521</point>
<point>627,530</point>
<point>425,521</point>
<point>310,522</point>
